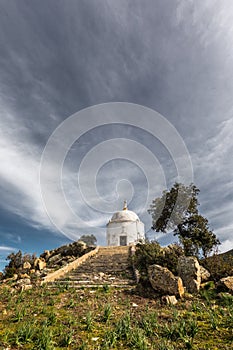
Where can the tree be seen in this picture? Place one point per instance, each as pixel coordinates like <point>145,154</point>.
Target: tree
<point>16,261</point>
<point>177,210</point>
<point>88,239</point>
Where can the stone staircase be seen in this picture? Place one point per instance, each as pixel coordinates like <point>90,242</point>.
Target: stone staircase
<point>109,267</point>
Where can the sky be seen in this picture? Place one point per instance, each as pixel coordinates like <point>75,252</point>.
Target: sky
<point>78,58</point>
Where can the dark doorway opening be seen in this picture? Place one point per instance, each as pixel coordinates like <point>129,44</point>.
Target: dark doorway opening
<point>123,240</point>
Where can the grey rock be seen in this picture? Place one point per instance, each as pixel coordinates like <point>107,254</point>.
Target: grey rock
<point>190,272</point>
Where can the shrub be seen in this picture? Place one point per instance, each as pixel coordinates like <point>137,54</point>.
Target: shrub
<point>151,253</point>
<point>219,266</point>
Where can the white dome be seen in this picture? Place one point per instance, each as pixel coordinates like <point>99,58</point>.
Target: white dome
<point>124,215</point>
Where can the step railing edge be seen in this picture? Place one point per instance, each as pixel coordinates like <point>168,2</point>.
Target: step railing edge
<point>69,267</point>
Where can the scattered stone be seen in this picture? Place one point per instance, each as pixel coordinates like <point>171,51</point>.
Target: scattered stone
<point>134,305</point>
<point>23,281</point>
<point>23,275</point>
<point>32,271</point>
<point>24,287</point>
<point>95,338</point>
<point>190,273</point>
<point>169,299</point>
<point>226,284</point>
<point>26,265</point>
<point>205,275</point>
<point>101,274</point>
<point>163,281</point>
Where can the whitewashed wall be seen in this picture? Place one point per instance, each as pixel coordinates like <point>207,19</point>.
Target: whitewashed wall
<point>133,230</point>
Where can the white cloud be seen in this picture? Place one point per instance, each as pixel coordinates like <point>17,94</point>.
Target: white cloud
<point>5,249</point>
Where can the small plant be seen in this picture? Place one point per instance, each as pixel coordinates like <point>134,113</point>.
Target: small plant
<point>138,339</point>
<point>89,321</point>
<point>110,339</point>
<point>67,339</point>
<point>214,320</point>
<point>19,314</point>
<point>83,346</point>
<point>149,323</point>
<point>107,312</point>
<point>44,339</point>
<point>24,333</point>
<point>123,327</point>
<point>164,345</point>
<point>106,288</point>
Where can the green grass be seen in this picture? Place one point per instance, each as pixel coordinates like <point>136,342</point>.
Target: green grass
<point>108,319</point>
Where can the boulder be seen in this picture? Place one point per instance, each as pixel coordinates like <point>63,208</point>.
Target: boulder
<point>226,284</point>
<point>163,281</point>
<point>190,272</point>
<point>40,263</point>
<point>26,265</point>
<point>205,275</point>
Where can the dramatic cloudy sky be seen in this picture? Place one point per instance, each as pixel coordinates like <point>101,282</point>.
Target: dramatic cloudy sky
<point>59,57</point>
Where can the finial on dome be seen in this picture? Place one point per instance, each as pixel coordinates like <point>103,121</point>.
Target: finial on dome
<point>125,205</point>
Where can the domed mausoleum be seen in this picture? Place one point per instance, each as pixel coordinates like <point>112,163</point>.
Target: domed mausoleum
<point>124,228</point>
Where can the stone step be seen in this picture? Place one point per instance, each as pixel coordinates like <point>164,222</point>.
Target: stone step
<point>113,262</point>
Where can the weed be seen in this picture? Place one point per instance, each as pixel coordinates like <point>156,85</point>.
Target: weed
<point>110,339</point>
<point>214,320</point>
<point>24,333</point>
<point>123,327</point>
<point>71,303</point>
<point>107,313</point>
<point>89,321</point>
<point>83,346</point>
<point>51,318</point>
<point>138,339</point>
<point>67,339</point>
<point>149,323</point>
<point>44,339</point>
<point>164,345</point>
<point>106,288</point>
<point>19,314</point>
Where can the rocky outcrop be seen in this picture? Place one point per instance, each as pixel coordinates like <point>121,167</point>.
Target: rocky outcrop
<point>226,284</point>
<point>64,255</point>
<point>190,272</point>
<point>163,281</point>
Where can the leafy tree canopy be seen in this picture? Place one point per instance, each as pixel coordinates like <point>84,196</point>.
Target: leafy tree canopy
<point>177,210</point>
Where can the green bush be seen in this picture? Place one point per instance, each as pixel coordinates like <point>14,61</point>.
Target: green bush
<point>219,266</point>
<point>151,253</point>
